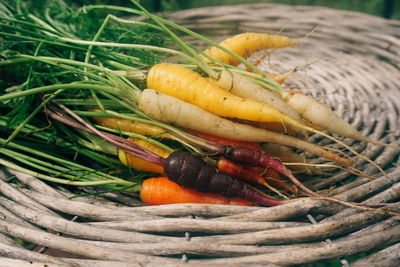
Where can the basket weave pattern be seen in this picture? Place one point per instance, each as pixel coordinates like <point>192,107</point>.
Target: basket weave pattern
<point>353,65</point>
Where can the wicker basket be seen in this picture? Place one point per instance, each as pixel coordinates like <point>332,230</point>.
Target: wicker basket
<point>352,64</point>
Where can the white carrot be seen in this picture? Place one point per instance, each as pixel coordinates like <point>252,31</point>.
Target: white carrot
<point>321,115</point>
<point>244,87</point>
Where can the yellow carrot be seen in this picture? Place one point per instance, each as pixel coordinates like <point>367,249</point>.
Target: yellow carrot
<point>132,126</point>
<point>140,164</point>
<point>246,44</point>
<point>191,87</point>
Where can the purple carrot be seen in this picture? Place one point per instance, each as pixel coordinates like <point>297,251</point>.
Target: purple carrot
<point>191,171</point>
<point>252,157</point>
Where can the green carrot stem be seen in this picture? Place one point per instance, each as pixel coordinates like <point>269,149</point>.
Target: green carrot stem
<point>87,149</point>
<point>133,74</point>
<point>119,65</point>
<point>139,136</point>
<point>98,144</point>
<point>49,88</point>
<point>126,88</point>
<point>106,44</point>
<point>95,38</point>
<point>37,109</point>
<point>32,114</point>
<point>125,103</point>
<point>26,37</point>
<point>109,55</point>
<point>33,25</point>
<point>14,61</point>
<point>100,158</point>
<point>134,22</point>
<point>47,167</point>
<point>53,23</point>
<point>20,30</point>
<point>48,28</point>
<point>196,58</point>
<point>65,162</point>
<point>75,70</point>
<point>56,61</point>
<point>87,102</point>
<point>134,46</point>
<point>30,130</point>
<point>14,166</point>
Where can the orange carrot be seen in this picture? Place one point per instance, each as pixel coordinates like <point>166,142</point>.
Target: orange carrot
<point>254,174</point>
<point>160,191</point>
<point>140,164</point>
<point>247,173</point>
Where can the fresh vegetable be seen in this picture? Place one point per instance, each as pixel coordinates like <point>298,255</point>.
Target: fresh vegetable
<point>308,108</point>
<point>140,164</point>
<point>133,126</point>
<point>244,172</point>
<point>191,171</point>
<point>245,44</point>
<point>244,87</point>
<point>182,167</point>
<point>258,158</point>
<point>287,155</point>
<point>226,141</point>
<point>253,175</point>
<point>175,111</point>
<point>247,173</point>
<point>250,174</point>
<point>321,115</point>
<point>47,57</point>
<point>191,87</point>
<point>161,190</point>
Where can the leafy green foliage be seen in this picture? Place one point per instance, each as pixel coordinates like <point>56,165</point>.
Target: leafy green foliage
<point>31,30</point>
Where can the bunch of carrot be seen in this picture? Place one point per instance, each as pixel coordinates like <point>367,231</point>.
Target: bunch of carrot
<point>200,124</point>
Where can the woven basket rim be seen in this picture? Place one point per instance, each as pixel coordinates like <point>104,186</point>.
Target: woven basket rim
<point>295,6</point>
